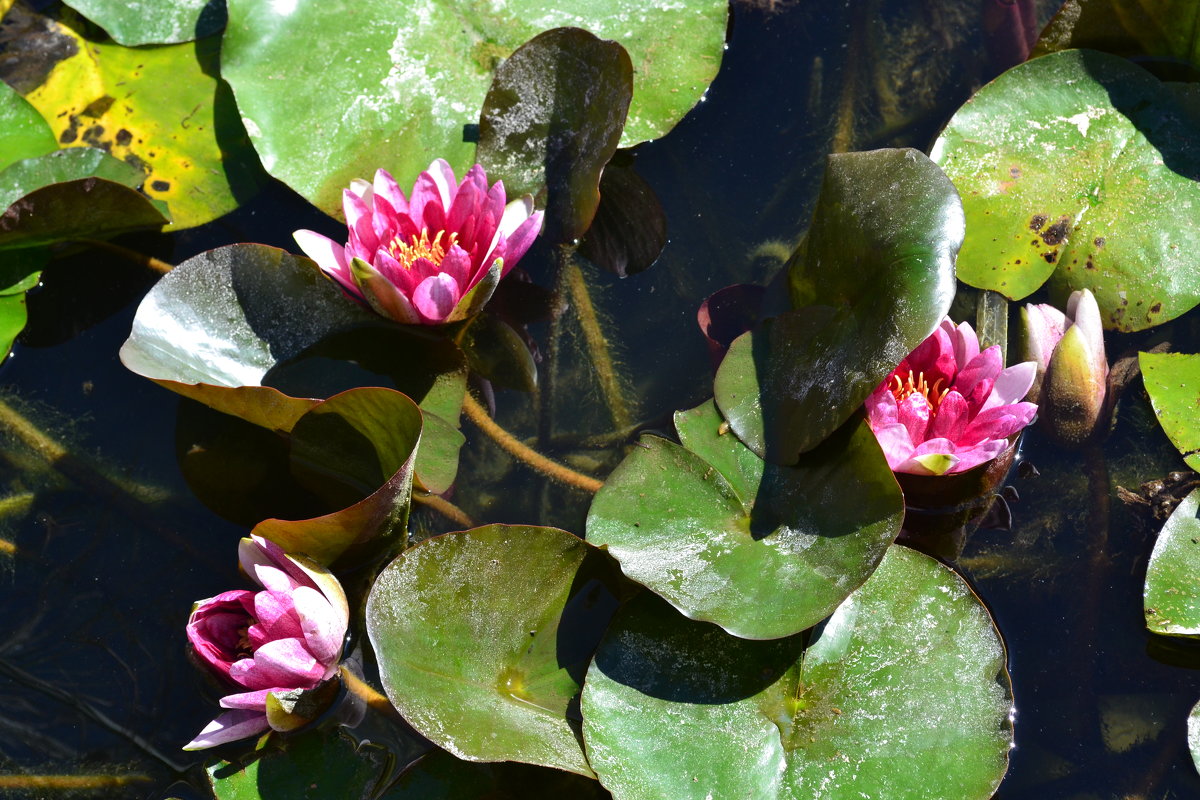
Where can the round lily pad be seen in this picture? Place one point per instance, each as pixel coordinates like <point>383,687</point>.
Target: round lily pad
<point>1080,167</point>
<point>154,21</point>
<point>393,84</point>
<point>162,109</point>
<point>483,637</point>
<point>23,132</point>
<point>902,693</point>
<point>1172,599</point>
<point>871,280</point>
<point>763,551</point>
<point>1173,382</point>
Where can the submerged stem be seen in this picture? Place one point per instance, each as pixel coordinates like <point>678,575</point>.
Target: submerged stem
<point>364,691</point>
<point>517,449</point>
<point>142,259</point>
<point>597,345</point>
<point>444,507</point>
<point>70,783</point>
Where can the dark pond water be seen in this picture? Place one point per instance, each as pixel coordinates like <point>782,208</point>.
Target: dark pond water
<point>112,546</point>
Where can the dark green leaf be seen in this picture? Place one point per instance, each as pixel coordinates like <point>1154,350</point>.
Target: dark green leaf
<point>629,230</point>
<point>552,118</point>
<point>222,325</point>
<point>20,271</point>
<point>901,694</point>
<point>73,163</point>
<point>872,279</point>
<point>1172,600</point>
<point>1079,167</point>
<point>393,84</point>
<point>483,637</point>
<point>441,776</point>
<point>154,21</point>
<point>89,208</point>
<point>317,765</point>
<point>1173,382</point>
<point>1164,29</point>
<point>763,551</point>
<point>497,352</point>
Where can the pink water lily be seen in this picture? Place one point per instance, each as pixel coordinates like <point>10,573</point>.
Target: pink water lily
<point>272,642</point>
<point>948,407</point>
<point>430,258</point>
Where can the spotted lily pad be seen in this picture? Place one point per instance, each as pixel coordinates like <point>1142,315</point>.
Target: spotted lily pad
<point>1172,598</point>
<point>871,280</point>
<point>483,637</point>
<point>901,693</point>
<point>762,550</point>
<point>1082,169</point>
<point>1173,383</point>
<point>161,109</point>
<point>23,132</point>
<point>393,84</point>
<point>232,325</point>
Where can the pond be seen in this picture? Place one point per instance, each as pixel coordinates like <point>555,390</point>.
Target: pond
<point>122,503</point>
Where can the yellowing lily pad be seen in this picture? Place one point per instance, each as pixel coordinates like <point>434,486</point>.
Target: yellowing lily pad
<point>160,109</point>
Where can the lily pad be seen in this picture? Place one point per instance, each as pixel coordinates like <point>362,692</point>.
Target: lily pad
<point>228,325</point>
<point>356,451</point>
<point>902,693</point>
<point>763,551</point>
<point>1173,382</point>
<point>441,776</point>
<point>21,270</point>
<point>1193,735</point>
<point>629,230</point>
<point>1172,598</point>
<point>154,21</point>
<point>315,765</point>
<point>1165,29</point>
<point>871,280</point>
<point>1080,168</point>
<point>87,208</point>
<point>393,84</point>
<point>23,132</point>
<point>74,163</point>
<point>552,119</point>
<point>483,637</point>
<point>161,109</point>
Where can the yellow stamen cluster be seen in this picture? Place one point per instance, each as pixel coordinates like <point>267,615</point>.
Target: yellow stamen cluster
<point>407,252</point>
<point>903,390</point>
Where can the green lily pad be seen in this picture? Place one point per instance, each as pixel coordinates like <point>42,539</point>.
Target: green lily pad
<point>497,352</point>
<point>156,21</point>
<point>20,271</point>
<point>87,208</point>
<point>316,765</point>
<point>1079,168</point>
<point>1173,382</point>
<point>552,119</point>
<point>161,109</point>
<point>441,776</point>
<point>356,451</point>
<point>1172,598</point>
<point>901,694</point>
<point>393,84</point>
<point>74,163</point>
<point>483,637</point>
<point>872,279</point>
<point>229,325</point>
<point>763,551</point>
<point>1164,29</point>
<point>629,230</point>
<point>23,132</point>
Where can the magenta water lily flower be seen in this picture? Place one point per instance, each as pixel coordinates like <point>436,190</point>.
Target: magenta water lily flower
<point>271,644</point>
<point>430,258</point>
<point>949,407</point>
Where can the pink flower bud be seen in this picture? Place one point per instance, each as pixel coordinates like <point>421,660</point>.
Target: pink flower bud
<point>268,644</point>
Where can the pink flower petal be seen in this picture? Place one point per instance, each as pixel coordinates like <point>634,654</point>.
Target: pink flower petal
<point>470,199</point>
<point>998,423</point>
<point>1011,385</point>
<point>934,357</point>
<point>404,279</point>
<point>457,264</point>
<point>323,628</point>
<point>358,219</point>
<point>895,443</point>
<point>285,663</point>
<point>435,298</point>
<point>329,255</point>
<point>965,343</point>
<point>975,381</point>
<point>389,191</point>
<point>981,453</point>
<point>519,242</point>
<point>229,727</point>
<point>247,701</point>
<point>913,412</point>
<point>951,418</point>
<point>881,407</point>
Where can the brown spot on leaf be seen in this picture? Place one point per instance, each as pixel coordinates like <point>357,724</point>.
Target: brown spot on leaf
<point>1015,172</point>
<point>1057,233</point>
<point>1089,264</point>
<point>124,137</point>
<point>98,107</point>
<point>160,186</point>
<point>1037,221</point>
<point>1051,256</point>
<point>1098,241</point>
<point>1156,308</point>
